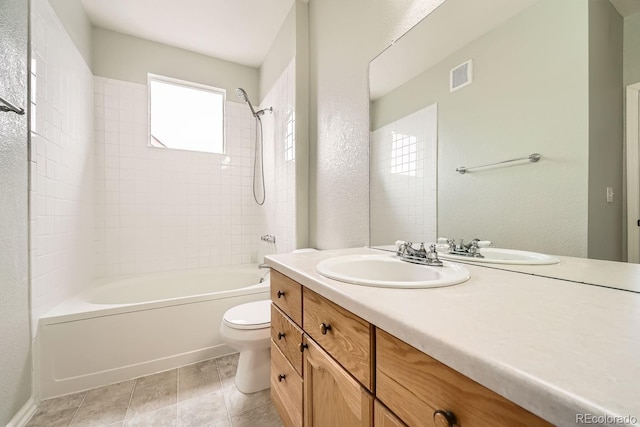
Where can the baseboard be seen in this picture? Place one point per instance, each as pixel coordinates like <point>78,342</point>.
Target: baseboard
<point>24,414</point>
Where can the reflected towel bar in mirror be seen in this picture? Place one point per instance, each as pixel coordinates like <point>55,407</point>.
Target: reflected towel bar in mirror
<point>10,107</point>
<point>533,158</point>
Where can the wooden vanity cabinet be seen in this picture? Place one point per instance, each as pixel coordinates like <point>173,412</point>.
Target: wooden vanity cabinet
<point>321,359</point>
<point>331,368</point>
<point>383,417</point>
<point>286,389</point>
<point>287,295</point>
<point>332,397</point>
<point>424,392</point>
<point>342,334</point>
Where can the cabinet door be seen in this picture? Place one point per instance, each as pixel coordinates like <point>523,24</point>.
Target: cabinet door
<point>384,417</point>
<point>332,397</point>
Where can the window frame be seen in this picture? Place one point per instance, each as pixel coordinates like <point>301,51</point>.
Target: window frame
<point>191,85</point>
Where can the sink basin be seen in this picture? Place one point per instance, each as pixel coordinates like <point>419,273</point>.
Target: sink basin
<point>505,256</point>
<point>388,271</point>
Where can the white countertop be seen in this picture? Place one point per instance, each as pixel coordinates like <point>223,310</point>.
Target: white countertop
<point>611,274</point>
<point>554,347</point>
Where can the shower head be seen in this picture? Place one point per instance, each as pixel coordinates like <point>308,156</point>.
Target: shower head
<point>242,94</point>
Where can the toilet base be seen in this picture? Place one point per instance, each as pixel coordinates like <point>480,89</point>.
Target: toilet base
<point>254,369</point>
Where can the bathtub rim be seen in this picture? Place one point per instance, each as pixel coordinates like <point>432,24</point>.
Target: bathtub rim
<point>77,307</point>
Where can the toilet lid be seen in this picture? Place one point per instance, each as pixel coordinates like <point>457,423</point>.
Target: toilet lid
<point>253,315</point>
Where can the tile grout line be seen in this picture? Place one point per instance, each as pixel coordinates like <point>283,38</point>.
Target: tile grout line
<point>224,394</point>
<point>133,389</point>
<point>78,408</point>
<point>177,393</point>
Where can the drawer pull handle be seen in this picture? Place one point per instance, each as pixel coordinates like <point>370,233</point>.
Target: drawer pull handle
<point>324,328</point>
<point>280,294</point>
<point>281,335</point>
<point>302,346</point>
<point>281,377</point>
<point>444,418</point>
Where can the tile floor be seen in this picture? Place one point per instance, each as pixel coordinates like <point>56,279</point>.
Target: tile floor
<point>199,395</point>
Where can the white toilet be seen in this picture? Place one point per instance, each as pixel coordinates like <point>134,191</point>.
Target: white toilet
<point>247,328</point>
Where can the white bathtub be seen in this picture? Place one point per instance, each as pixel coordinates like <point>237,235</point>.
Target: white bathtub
<point>127,327</point>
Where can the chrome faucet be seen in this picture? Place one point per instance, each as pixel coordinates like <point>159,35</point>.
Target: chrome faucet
<point>471,249</point>
<point>407,253</point>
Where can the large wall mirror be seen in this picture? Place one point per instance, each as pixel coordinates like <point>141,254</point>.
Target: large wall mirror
<point>531,76</point>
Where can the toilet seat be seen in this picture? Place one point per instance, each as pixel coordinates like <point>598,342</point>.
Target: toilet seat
<point>253,315</point>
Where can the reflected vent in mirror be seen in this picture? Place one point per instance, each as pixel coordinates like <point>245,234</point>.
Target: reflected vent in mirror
<point>461,75</point>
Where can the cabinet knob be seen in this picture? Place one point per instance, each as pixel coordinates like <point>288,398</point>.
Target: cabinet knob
<point>324,328</point>
<point>302,346</point>
<point>280,294</point>
<point>444,418</point>
<point>281,377</point>
<point>281,335</point>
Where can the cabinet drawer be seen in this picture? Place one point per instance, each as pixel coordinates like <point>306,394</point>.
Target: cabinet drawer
<point>288,338</point>
<point>414,386</point>
<point>345,336</point>
<point>286,389</point>
<point>287,295</point>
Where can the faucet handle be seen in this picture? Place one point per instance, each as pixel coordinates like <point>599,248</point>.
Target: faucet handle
<point>422,251</point>
<point>473,247</point>
<point>432,256</point>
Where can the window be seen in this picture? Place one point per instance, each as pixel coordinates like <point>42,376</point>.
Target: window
<point>403,154</point>
<point>185,115</point>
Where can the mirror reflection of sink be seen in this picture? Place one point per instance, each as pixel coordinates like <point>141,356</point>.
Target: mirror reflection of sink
<point>388,271</point>
<point>504,256</point>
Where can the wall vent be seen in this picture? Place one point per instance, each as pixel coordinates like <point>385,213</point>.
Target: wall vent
<point>461,75</point>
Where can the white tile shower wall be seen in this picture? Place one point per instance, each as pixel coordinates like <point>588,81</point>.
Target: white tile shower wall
<point>160,209</point>
<point>277,215</point>
<point>61,155</point>
<point>403,179</point>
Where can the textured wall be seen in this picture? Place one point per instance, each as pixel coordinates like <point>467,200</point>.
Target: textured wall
<point>61,190</point>
<point>344,37</point>
<point>15,349</point>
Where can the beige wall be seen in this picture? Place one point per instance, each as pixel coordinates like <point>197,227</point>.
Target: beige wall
<point>280,54</point>
<point>15,348</point>
<point>631,46</point>
<point>344,36</point>
<point>75,20</point>
<point>122,57</point>
<point>605,131</point>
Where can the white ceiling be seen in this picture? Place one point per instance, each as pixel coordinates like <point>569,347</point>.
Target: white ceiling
<point>239,31</point>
